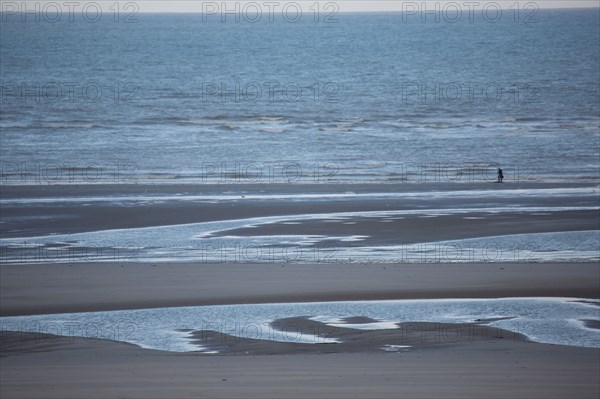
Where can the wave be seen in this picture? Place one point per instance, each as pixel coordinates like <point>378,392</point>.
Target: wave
<point>73,126</point>
<point>530,119</point>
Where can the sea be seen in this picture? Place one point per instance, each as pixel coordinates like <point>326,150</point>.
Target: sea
<point>106,97</point>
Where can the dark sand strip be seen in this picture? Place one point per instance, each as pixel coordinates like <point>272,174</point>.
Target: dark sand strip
<point>49,367</point>
<point>34,219</point>
<point>391,230</point>
<point>413,335</point>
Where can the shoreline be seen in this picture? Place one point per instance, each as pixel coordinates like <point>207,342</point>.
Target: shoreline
<point>48,210</point>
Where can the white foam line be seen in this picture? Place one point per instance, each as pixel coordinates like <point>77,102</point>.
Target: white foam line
<point>489,193</point>
<point>394,348</point>
<point>374,325</point>
<point>484,238</point>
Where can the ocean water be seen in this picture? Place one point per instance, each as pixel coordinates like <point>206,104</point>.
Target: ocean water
<point>367,97</point>
<point>561,321</point>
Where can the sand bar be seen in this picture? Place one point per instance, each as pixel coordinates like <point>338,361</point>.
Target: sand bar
<point>50,288</point>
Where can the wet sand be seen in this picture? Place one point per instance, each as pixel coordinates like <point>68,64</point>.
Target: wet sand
<point>56,215</point>
<point>57,288</point>
<point>408,229</point>
<point>50,367</point>
<point>327,338</point>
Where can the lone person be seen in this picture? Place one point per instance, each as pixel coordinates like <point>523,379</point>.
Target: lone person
<point>500,175</point>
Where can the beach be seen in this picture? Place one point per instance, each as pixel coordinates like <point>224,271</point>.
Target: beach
<point>37,365</point>
<point>75,369</point>
<point>364,363</point>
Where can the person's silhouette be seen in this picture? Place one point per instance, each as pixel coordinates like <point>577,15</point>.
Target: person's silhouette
<point>500,175</point>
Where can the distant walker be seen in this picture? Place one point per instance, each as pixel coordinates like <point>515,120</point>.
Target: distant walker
<point>500,175</point>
